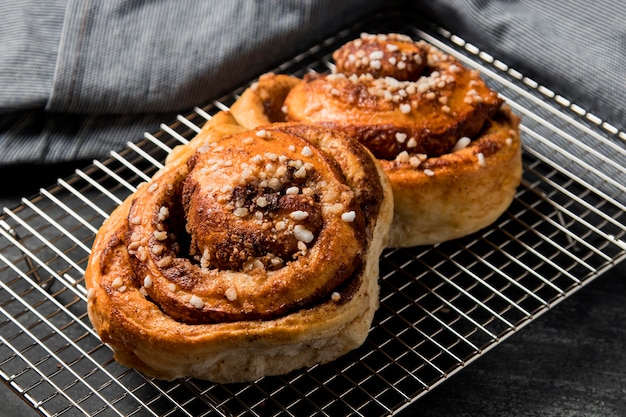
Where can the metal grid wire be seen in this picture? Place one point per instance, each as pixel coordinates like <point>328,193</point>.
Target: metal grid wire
<point>442,307</point>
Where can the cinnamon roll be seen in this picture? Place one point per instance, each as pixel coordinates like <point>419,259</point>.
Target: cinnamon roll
<point>448,143</point>
<point>250,253</point>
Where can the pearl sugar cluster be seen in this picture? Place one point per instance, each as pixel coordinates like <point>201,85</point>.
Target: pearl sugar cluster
<point>433,86</point>
<point>289,173</point>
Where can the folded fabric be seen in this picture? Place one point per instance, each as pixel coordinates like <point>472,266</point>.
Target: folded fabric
<point>576,48</point>
<point>73,72</point>
<point>79,78</point>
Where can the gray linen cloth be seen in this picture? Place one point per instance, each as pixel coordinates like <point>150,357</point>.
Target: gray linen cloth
<point>79,78</point>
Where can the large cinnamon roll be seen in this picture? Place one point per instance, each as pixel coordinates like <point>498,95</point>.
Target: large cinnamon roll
<point>251,253</point>
<point>448,144</point>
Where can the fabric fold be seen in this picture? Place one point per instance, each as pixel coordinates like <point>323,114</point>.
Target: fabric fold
<point>30,31</point>
<point>81,77</point>
<point>121,57</point>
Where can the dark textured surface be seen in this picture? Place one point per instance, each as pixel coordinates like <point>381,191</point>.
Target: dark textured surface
<point>571,361</point>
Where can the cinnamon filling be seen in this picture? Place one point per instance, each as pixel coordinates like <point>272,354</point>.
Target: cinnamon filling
<point>244,229</point>
<point>396,95</point>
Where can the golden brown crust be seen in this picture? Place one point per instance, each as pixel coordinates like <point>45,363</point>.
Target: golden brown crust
<point>458,193</point>
<point>392,55</point>
<point>224,266</point>
<point>427,118</point>
<point>425,113</point>
<point>263,101</point>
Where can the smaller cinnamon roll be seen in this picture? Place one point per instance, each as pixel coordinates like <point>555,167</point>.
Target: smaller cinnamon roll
<point>250,253</point>
<point>449,145</point>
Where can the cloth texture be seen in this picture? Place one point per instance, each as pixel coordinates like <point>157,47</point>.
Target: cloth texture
<point>576,48</point>
<point>79,78</point>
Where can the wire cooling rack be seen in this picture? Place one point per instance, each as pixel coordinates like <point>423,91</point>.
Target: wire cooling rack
<point>442,306</point>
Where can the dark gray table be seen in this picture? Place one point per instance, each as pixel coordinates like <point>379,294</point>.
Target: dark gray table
<point>569,362</point>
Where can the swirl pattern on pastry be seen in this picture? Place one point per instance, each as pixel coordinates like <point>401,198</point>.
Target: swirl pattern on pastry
<point>423,101</point>
<point>232,250</point>
<point>449,145</point>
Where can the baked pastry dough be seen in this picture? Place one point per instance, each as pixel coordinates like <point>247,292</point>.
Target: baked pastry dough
<point>250,253</point>
<point>450,147</point>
